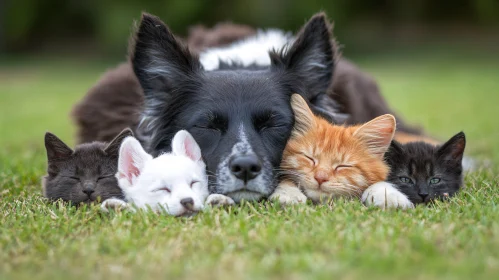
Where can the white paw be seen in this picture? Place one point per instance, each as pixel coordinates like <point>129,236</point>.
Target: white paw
<point>385,195</point>
<point>217,200</point>
<point>288,195</point>
<point>115,204</point>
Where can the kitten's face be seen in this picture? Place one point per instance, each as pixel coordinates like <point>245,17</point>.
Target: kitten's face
<point>84,175</point>
<point>329,161</point>
<point>167,183</point>
<point>425,172</point>
<point>174,182</point>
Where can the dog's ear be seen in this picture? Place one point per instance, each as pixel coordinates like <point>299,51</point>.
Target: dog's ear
<point>160,61</point>
<point>113,148</point>
<point>183,144</point>
<point>131,161</point>
<point>311,57</point>
<point>56,149</point>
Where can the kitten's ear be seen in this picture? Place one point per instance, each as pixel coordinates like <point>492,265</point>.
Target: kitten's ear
<point>160,61</point>
<point>304,117</point>
<point>377,134</point>
<point>113,147</point>
<point>311,57</point>
<point>131,160</point>
<point>395,147</point>
<point>394,152</point>
<point>56,149</point>
<point>453,149</point>
<point>183,144</point>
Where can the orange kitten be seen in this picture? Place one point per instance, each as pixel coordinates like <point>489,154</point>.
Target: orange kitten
<point>323,161</point>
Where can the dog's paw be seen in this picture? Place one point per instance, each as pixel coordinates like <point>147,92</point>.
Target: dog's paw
<point>288,194</point>
<point>115,204</point>
<point>218,200</point>
<point>384,195</point>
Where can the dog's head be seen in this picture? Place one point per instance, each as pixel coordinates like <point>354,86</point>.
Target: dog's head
<point>240,117</point>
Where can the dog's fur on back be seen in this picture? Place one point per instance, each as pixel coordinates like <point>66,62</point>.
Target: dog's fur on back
<point>237,109</point>
<point>110,106</point>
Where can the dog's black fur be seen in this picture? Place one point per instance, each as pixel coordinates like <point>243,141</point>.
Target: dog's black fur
<point>230,112</point>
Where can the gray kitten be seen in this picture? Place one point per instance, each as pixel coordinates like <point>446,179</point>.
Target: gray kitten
<point>85,174</point>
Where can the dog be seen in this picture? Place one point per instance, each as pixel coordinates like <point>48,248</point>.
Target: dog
<point>234,100</point>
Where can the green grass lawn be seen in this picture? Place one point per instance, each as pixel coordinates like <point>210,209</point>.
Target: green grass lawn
<point>455,240</point>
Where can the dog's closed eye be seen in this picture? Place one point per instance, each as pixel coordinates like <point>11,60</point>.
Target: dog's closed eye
<point>213,122</point>
<point>267,120</point>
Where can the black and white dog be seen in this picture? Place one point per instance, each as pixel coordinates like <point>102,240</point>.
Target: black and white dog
<point>234,101</point>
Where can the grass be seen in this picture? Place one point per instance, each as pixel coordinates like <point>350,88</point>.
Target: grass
<point>455,240</point>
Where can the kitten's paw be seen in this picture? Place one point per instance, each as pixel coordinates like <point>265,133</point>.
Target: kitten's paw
<point>115,204</point>
<point>384,195</point>
<point>288,199</point>
<point>218,200</point>
<point>287,195</point>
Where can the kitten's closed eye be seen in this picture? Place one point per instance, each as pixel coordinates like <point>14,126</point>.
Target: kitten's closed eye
<point>73,178</point>
<point>193,183</point>
<point>310,159</point>
<point>342,167</point>
<point>105,177</point>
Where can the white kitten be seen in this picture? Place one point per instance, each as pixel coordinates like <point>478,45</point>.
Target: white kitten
<point>385,195</point>
<point>175,182</point>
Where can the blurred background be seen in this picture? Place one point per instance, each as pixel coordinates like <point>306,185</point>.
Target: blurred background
<point>104,26</point>
<point>437,62</point>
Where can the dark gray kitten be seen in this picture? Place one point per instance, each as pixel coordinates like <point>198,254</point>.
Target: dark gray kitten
<point>425,172</point>
<point>84,175</point>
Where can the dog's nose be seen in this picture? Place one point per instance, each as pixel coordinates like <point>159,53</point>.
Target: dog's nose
<point>88,191</point>
<point>245,167</point>
<point>188,203</point>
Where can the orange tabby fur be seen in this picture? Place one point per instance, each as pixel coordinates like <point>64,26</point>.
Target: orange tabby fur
<point>323,161</point>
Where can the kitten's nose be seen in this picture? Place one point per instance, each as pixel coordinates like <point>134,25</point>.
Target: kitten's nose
<point>321,177</point>
<point>188,203</point>
<point>88,191</point>
<point>245,167</point>
<point>423,195</point>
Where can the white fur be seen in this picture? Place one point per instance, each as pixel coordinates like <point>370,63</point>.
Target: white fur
<point>142,178</point>
<point>385,195</point>
<point>252,50</point>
